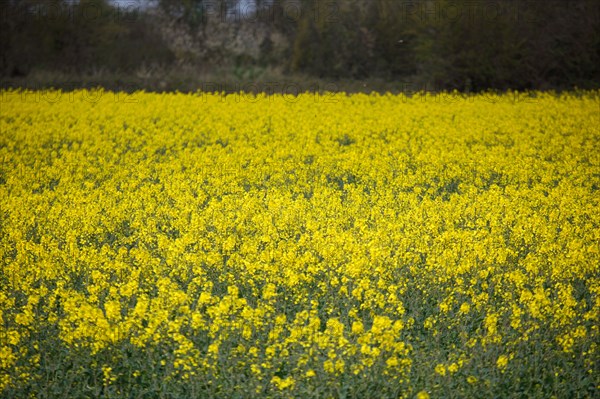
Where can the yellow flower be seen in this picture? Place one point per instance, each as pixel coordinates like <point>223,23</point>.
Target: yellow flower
<point>422,395</point>
<point>392,361</point>
<point>329,366</point>
<point>453,368</point>
<point>428,324</point>
<point>440,369</point>
<point>502,362</point>
<point>283,383</point>
<point>357,327</point>
<point>109,378</point>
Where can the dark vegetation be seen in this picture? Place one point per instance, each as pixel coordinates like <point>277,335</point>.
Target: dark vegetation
<point>300,45</point>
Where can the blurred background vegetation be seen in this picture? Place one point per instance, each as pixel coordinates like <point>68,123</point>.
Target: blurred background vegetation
<point>272,45</point>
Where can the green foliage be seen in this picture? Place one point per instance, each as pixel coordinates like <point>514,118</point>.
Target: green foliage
<point>76,38</point>
<point>488,44</point>
<point>433,44</point>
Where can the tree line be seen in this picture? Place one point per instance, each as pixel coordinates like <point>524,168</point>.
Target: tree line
<point>468,45</point>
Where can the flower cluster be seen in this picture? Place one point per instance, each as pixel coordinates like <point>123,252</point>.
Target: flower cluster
<point>370,246</point>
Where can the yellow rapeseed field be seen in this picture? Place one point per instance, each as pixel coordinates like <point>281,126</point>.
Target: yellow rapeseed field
<point>312,246</point>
